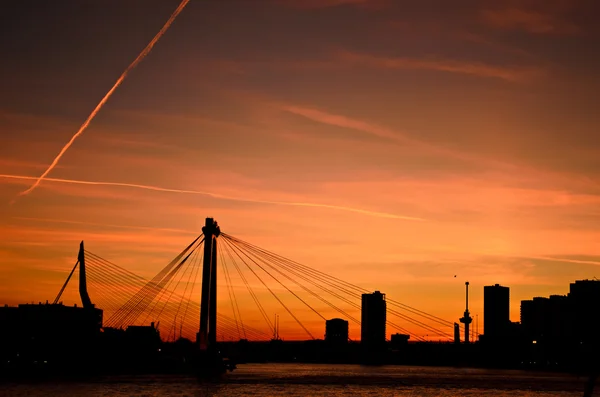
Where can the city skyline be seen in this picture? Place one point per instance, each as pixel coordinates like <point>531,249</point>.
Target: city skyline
<point>379,141</point>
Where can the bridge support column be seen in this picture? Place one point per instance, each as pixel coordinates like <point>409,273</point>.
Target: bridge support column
<point>212,311</point>
<point>207,335</point>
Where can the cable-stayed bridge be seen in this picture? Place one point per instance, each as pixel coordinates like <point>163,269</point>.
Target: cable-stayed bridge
<point>241,287</point>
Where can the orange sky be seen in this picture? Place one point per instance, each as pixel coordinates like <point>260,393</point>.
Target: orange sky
<point>460,138</point>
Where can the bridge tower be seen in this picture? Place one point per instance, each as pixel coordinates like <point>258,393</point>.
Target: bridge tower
<point>207,335</point>
<point>83,292</point>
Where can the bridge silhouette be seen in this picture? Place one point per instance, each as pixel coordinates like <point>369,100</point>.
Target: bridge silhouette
<point>250,279</point>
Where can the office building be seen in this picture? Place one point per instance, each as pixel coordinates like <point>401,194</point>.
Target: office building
<point>373,318</point>
<point>584,302</point>
<point>496,311</point>
<point>545,319</point>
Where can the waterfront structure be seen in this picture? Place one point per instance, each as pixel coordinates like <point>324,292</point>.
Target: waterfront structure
<point>336,331</point>
<point>546,319</point>
<point>373,319</point>
<point>398,340</point>
<point>573,318</point>
<point>584,303</point>
<point>496,311</point>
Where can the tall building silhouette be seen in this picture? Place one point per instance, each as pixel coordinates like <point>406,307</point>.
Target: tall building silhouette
<point>373,318</point>
<point>584,297</point>
<point>545,319</point>
<point>336,331</point>
<point>496,311</point>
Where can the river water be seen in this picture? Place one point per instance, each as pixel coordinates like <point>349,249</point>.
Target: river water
<point>265,380</point>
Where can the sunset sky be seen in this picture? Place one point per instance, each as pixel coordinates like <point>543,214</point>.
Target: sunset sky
<point>394,144</point>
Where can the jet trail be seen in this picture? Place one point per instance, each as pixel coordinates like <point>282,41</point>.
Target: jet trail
<point>221,196</point>
<point>84,126</point>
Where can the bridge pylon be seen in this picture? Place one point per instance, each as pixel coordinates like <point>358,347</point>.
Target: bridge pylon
<point>207,335</point>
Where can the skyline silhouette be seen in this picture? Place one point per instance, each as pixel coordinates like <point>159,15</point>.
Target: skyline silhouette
<point>49,339</point>
<point>417,142</point>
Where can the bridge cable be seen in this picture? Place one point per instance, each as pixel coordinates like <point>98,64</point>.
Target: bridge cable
<point>166,290</point>
<point>194,264</point>
<point>150,290</point>
<point>113,277</point>
<point>229,291</point>
<point>280,283</point>
<point>139,280</point>
<point>271,291</point>
<point>189,299</point>
<point>349,285</point>
<point>322,277</point>
<point>237,307</point>
<point>272,266</point>
<point>134,311</point>
<point>120,316</point>
<point>107,279</point>
<point>65,284</point>
<point>294,265</point>
<point>312,282</point>
<point>252,294</point>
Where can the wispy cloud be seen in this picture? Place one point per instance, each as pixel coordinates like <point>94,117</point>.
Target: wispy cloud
<point>219,196</point>
<point>347,122</point>
<point>478,69</point>
<point>531,21</point>
<point>316,4</point>
<point>566,260</point>
<point>388,134</point>
<point>105,225</point>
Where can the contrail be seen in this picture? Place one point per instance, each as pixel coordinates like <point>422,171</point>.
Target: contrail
<point>221,196</point>
<point>109,225</point>
<point>84,126</point>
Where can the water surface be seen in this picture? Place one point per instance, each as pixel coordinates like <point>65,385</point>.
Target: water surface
<point>265,380</point>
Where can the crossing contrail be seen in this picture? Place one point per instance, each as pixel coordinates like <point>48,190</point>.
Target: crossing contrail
<point>84,126</point>
<point>221,196</point>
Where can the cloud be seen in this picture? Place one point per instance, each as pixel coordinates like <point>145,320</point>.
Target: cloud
<point>106,225</point>
<point>388,134</point>
<point>346,122</point>
<point>317,4</point>
<point>344,59</point>
<point>530,21</point>
<point>564,259</point>
<point>218,196</point>
<point>478,69</point>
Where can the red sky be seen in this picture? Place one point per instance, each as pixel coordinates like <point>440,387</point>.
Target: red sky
<point>463,134</point>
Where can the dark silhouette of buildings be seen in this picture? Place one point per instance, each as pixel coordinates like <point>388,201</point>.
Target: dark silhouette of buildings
<point>373,319</point>
<point>557,319</point>
<point>336,331</point>
<point>398,341</point>
<point>49,333</point>
<point>555,332</point>
<point>496,312</point>
<point>546,319</point>
<point>584,302</point>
